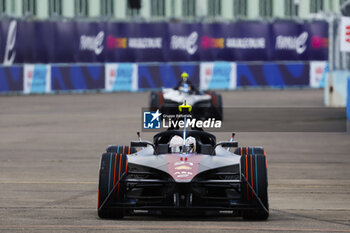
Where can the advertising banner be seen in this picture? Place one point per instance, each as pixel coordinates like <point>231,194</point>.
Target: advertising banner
<point>217,75</point>
<point>121,77</point>
<point>212,41</point>
<point>8,37</point>
<point>240,41</point>
<point>91,37</point>
<point>136,42</point>
<point>250,41</point>
<point>290,41</point>
<point>344,34</point>
<point>25,37</point>
<point>318,72</point>
<point>272,74</point>
<point>37,79</point>
<point>107,41</point>
<point>184,42</point>
<point>166,75</point>
<point>42,43</point>
<point>11,78</point>
<point>77,77</point>
<point>319,44</point>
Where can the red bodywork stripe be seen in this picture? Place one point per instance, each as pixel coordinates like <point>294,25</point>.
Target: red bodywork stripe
<point>98,198</point>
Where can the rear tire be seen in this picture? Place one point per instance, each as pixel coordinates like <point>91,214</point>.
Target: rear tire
<point>219,107</point>
<point>253,167</point>
<point>155,100</point>
<point>216,101</point>
<point>112,168</point>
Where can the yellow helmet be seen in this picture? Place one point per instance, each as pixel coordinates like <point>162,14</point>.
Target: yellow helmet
<point>184,76</point>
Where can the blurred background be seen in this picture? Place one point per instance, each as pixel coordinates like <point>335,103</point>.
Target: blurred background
<point>223,44</point>
<point>171,9</point>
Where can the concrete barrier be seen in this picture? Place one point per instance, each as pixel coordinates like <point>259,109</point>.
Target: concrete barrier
<point>335,92</point>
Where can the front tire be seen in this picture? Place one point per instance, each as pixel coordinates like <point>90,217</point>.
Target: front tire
<point>216,101</point>
<point>156,100</point>
<point>253,167</point>
<point>121,149</point>
<point>219,106</point>
<point>113,166</point>
<point>250,150</point>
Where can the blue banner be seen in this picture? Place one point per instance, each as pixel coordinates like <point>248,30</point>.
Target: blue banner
<point>65,42</point>
<point>42,78</point>
<point>273,74</point>
<point>91,38</point>
<point>165,75</point>
<point>9,47</point>
<point>184,42</point>
<point>11,78</point>
<point>77,77</point>
<point>299,41</point>
<point>136,42</point>
<point>318,46</point>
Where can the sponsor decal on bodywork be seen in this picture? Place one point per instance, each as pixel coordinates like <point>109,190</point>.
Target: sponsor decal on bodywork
<point>183,167</point>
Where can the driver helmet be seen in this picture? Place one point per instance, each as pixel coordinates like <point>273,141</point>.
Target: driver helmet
<point>190,144</point>
<point>184,76</point>
<point>185,87</point>
<point>175,144</point>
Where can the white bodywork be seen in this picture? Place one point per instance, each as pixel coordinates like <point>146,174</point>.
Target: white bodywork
<point>179,96</point>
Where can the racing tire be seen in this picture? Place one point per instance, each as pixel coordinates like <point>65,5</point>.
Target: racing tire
<point>121,149</point>
<point>253,167</point>
<point>250,150</point>
<point>217,105</point>
<point>156,100</point>
<point>113,166</point>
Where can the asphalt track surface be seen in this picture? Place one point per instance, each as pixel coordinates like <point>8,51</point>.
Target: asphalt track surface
<point>50,147</point>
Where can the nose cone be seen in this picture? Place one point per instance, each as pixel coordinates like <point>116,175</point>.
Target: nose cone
<point>183,167</point>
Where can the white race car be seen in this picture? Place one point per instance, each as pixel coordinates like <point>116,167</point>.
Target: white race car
<point>206,104</point>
